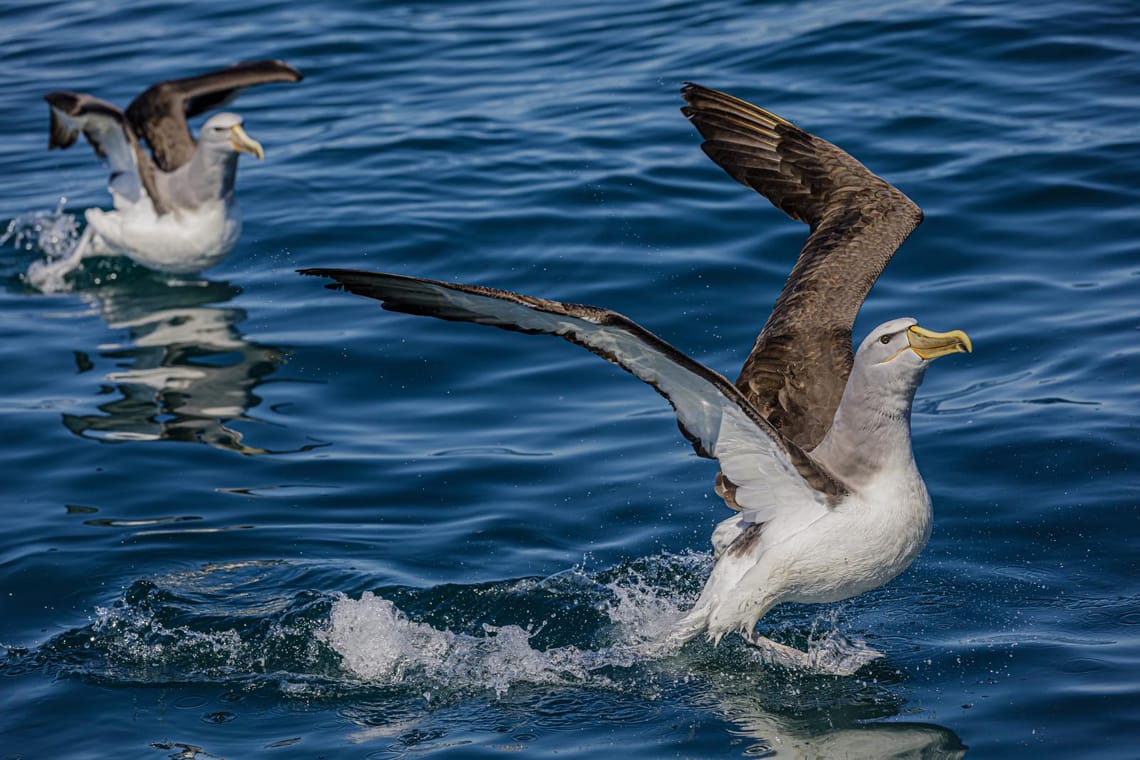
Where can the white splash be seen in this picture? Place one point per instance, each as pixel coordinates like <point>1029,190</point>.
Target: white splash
<point>644,611</point>
<point>133,637</point>
<point>196,626</point>
<point>54,233</point>
<point>378,643</point>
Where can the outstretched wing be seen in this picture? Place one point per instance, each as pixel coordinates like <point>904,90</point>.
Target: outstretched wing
<point>799,366</point>
<point>159,114</point>
<point>106,129</point>
<point>711,412</point>
<point>102,123</point>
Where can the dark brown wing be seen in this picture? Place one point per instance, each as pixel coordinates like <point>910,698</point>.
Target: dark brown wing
<point>799,366</point>
<point>159,114</point>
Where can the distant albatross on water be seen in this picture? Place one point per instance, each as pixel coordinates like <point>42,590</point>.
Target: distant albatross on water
<point>175,211</point>
<point>813,442</point>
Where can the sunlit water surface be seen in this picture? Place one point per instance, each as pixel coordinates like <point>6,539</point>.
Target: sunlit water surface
<point>248,517</point>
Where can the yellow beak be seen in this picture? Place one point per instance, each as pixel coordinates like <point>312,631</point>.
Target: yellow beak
<point>243,143</point>
<point>930,345</point>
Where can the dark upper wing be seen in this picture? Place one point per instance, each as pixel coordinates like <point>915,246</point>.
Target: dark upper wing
<point>711,412</point>
<point>798,368</point>
<point>159,114</point>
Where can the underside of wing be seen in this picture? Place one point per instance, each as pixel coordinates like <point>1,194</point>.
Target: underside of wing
<point>711,412</point>
<point>106,128</point>
<point>102,123</point>
<point>799,366</point>
<point>159,114</point>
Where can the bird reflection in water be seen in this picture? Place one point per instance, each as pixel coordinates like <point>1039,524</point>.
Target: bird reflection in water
<point>185,373</point>
<point>780,735</point>
<point>858,723</point>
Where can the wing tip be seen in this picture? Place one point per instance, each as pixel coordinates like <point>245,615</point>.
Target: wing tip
<point>274,66</point>
<point>60,134</point>
<point>63,100</point>
<point>295,73</point>
<point>722,101</point>
<point>334,273</point>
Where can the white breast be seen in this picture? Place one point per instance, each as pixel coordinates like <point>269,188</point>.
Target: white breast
<point>868,539</point>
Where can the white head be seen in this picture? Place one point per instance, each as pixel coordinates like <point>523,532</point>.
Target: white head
<point>874,414</point>
<point>223,133</point>
<point>893,358</point>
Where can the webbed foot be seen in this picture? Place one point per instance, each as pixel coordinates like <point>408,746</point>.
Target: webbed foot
<point>49,276</point>
<point>834,656</point>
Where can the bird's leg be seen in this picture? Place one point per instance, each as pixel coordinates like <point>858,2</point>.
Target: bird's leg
<point>48,276</point>
<point>830,658</point>
<point>775,653</point>
<point>85,244</point>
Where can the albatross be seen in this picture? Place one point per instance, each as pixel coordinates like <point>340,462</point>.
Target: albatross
<point>174,208</point>
<point>813,439</point>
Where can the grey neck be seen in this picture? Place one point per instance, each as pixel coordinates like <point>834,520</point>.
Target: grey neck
<point>871,429</point>
<point>208,176</point>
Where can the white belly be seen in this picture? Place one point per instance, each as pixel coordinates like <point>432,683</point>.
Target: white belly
<point>181,241</point>
<point>856,548</point>
<point>816,557</point>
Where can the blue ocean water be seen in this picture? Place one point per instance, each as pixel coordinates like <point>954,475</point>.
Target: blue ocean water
<point>248,517</point>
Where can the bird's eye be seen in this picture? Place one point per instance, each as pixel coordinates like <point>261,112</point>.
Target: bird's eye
<point>885,339</point>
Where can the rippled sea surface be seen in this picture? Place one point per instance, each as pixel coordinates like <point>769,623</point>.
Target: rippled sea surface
<point>244,516</point>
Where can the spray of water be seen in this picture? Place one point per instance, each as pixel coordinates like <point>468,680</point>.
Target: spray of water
<point>56,234</point>
<point>377,642</point>
<point>224,624</point>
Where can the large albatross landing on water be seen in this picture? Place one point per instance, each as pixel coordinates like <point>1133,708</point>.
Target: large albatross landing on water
<point>813,442</point>
<point>175,211</point>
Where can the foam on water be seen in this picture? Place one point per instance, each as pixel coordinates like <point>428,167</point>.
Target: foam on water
<point>378,643</point>
<point>225,624</point>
